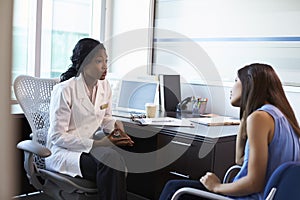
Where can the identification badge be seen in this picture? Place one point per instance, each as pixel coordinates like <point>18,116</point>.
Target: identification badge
<point>104,106</point>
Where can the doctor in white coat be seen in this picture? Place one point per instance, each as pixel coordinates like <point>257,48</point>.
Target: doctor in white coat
<point>79,105</point>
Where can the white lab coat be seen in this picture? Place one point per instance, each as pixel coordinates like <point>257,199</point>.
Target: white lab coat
<point>73,121</point>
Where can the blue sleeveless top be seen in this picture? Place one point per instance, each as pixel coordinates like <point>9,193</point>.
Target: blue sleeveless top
<point>284,147</point>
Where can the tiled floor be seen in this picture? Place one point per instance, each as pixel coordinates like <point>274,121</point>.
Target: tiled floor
<point>36,196</point>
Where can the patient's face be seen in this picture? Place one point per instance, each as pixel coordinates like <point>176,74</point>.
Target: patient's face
<point>236,93</point>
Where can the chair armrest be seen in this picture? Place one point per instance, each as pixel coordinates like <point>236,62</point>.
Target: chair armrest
<point>230,172</point>
<point>34,147</point>
<point>199,193</point>
<point>271,194</point>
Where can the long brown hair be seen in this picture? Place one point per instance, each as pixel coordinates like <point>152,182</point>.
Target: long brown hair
<point>260,84</point>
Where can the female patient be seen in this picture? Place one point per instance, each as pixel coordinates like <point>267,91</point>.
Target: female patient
<point>79,105</point>
<point>269,136</point>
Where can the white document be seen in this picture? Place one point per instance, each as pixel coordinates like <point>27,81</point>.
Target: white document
<point>164,121</point>
<point>215,121</point>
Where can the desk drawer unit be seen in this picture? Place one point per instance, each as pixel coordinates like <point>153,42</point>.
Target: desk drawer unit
<point>195,156</point>
<point>182,154</point>
<point>177,155</point>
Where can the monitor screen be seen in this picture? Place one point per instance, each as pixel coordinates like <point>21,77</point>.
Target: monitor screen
<point>135,94</point>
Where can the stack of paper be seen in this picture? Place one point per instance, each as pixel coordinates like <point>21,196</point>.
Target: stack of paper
<point>215,121</point>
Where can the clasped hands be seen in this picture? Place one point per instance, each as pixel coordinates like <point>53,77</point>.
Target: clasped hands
<point>119,137</point>
<point>116,137</point>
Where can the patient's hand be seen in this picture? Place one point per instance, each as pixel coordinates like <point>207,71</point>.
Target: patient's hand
<point>210,181</point>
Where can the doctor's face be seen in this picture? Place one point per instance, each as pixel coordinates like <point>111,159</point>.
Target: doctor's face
<point>236,93</point>
<point>97,67</point>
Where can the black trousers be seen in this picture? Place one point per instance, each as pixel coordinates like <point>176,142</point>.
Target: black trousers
<point>104,165</point>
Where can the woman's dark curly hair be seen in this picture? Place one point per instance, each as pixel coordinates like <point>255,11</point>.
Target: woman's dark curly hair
<point>83,52</point>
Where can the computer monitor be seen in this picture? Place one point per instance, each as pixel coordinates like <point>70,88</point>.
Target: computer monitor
<point>133,95</point>
<point>170,92</point>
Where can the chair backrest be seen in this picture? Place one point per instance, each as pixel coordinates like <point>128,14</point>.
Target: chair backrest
<point>285,182</point>
<point>33,94</point>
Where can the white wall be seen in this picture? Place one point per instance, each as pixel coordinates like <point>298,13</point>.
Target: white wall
<point>7,144</point>
<point>293,98</point>
<point>220,96</point>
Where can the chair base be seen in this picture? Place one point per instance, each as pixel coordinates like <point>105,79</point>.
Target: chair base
<point>52,190</point>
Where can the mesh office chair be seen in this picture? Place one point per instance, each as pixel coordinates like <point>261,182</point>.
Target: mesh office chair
<point>283,184</point>
<point>33,95</point>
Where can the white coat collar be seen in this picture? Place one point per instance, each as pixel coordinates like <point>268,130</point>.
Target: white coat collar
<point>82,94</point>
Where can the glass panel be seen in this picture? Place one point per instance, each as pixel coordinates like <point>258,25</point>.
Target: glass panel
<point>128,42</point>
<point>23,59</point>
<point>61,31</point>
<point>23,37</point>
<point>232,33</point>
<point>62,24</point>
